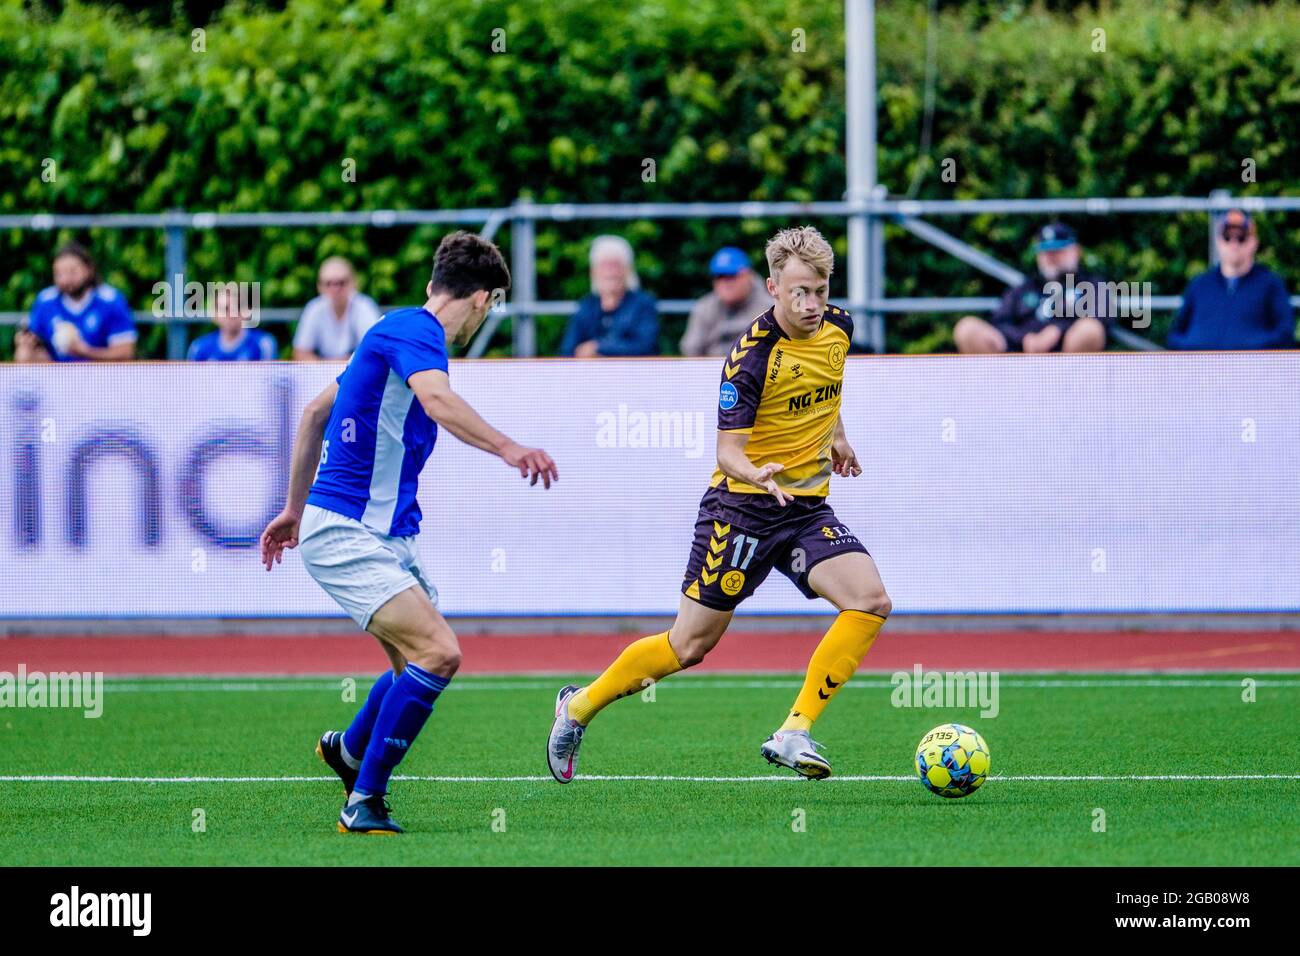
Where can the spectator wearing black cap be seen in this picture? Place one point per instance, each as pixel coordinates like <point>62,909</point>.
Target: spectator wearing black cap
<point>1238,305</point>
<point>1051,311</point>
<point>77,318</point>
<point>737,299</point>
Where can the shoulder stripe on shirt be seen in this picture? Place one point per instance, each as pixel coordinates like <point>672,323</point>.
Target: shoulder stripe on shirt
<point>741,348</point>
<point>390,453</point>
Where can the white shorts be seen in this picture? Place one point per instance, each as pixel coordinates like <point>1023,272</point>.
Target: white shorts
<point>357,566</point>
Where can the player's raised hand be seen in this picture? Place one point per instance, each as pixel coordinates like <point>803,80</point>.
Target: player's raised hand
<point>281,533</point>
<point>533,463</point>
<point>844,460</point>
<point>765,482</point>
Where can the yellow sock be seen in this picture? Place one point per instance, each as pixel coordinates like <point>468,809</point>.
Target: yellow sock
<point>647,659</point>
<point>833,663</point>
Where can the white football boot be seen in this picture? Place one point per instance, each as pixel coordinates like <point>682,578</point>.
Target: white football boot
<point>566,738</point>
<point>796,750</point>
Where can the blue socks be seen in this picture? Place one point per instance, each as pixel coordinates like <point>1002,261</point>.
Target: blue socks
<point>357,736</point>
<point>403,711</point>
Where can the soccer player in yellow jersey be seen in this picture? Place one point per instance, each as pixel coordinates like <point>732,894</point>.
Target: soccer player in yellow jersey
<point>780,438</point>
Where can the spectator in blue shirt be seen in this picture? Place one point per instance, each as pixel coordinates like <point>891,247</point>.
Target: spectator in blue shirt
<point>233,341</point>
<point>616,318</point>
<point>1240,304</point>
<point>77,318</point>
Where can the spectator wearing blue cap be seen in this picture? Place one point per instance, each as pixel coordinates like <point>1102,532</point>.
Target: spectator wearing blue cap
<point>1240,304</point>
<point>616,318</point>
<point>1053,310</point>
<point>719,318</point>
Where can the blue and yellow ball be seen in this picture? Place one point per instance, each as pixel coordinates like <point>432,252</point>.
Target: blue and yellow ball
<point>952,760</point>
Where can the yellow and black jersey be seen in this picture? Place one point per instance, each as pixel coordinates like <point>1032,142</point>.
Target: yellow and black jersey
<point>785,394</point>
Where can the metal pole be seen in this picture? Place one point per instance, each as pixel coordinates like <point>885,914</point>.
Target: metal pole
<point>523,277</point>
<point>860,136</point>
<point>174,259</point>
<point>1214,249</point>
<point>961,250</point>
<point>876,280</point>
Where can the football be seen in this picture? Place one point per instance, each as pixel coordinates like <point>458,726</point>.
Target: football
<point>952,760</point>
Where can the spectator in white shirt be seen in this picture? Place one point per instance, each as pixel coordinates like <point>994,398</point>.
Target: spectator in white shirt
<point>332,323</point>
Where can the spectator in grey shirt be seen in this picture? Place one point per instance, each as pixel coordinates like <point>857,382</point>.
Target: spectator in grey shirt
<point>737,299</point>
<point>333,323</point>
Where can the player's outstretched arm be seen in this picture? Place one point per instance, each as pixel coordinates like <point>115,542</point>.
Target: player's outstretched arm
<point>433,388</point>
<point>736,464</point>
<point>282,532</point>
<point>844,460</point>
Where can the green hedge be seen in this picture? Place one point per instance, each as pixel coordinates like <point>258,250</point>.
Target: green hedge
<point>411,90</point>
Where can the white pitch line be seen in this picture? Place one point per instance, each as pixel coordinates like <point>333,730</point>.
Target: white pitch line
<point>689,683</point>
<point>653,778</point>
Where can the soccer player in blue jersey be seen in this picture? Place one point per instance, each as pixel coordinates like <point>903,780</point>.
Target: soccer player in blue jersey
<point>77,318</point>
<point>232,341</point>
<point>371,432</point>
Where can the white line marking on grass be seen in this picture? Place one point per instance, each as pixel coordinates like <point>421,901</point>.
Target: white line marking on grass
<point>690,683</point>
<point>653,778</point>
<point>163,687</point>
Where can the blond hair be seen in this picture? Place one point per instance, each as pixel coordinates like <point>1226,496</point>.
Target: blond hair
<point>803,243</point>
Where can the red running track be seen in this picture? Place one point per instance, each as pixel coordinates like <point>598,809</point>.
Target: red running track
<point>766,651</point>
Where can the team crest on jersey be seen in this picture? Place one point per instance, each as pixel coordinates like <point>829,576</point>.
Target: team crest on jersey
<point>728,397</point>
<point>732,582</point>
<point>836,356</point>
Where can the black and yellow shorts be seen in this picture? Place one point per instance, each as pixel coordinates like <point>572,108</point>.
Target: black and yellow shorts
<point>739,539</point>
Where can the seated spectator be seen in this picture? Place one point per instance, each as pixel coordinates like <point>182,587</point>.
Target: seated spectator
<point>1239,304</point>
<point>332,323</point>
<point>232,341</point>
<point>1037,316</point>
<point>719,318</point>
<point>616,317</point>
<point>77,318</point>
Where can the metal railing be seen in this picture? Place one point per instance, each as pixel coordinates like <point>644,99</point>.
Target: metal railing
<point>524,216</point>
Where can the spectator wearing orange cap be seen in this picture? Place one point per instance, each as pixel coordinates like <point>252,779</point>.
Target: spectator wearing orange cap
<point>1240,304</point>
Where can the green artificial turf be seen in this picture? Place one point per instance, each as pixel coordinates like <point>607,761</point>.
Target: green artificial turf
<point>708,726</point>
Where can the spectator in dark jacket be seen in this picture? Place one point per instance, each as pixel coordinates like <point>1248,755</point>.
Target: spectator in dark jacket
<point>1238,305</point>
<point>1061,308</point>
<point>616,318</point>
